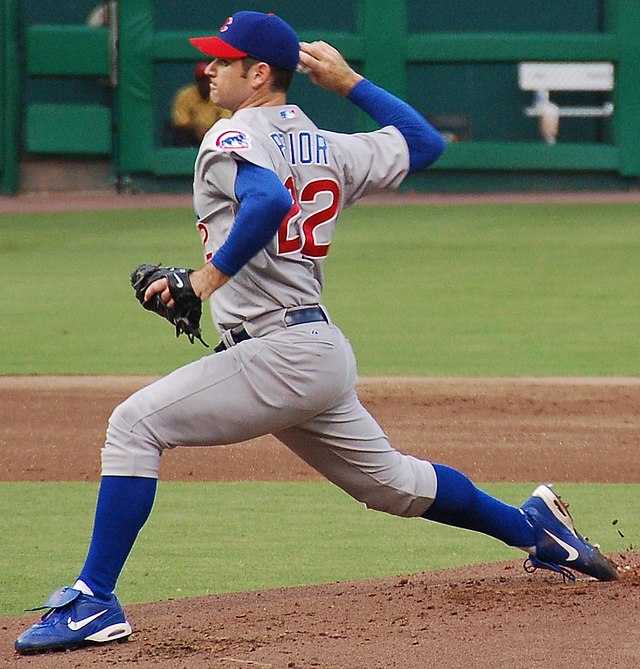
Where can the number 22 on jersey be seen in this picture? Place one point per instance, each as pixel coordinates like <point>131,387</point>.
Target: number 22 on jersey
<point>298,233</point>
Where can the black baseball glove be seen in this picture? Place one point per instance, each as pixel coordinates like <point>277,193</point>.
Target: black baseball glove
<point>186,313</point>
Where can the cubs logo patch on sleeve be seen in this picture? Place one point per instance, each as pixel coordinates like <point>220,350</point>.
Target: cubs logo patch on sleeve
<point>233,140</point>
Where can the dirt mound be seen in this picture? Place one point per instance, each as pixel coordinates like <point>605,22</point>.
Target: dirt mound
<point>481,616</point>
<point>491,616</point>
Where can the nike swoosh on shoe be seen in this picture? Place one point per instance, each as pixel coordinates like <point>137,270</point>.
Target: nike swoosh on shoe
<point>75,625</point>
<point>573,552</point>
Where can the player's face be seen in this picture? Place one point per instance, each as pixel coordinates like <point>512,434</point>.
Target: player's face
<point>228,84</point>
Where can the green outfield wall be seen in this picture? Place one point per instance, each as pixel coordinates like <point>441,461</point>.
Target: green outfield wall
<point>106,92</point>
<point>9,96</point>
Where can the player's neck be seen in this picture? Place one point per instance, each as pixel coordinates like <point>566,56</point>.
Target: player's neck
<point>264,98</point>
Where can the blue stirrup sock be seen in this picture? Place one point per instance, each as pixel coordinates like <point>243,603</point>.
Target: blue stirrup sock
<point>124,504</point>
<point>458,502</point>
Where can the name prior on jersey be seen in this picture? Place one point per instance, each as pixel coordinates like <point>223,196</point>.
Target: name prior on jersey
<point>304,148</point>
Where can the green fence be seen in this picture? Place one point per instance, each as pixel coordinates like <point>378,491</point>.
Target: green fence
<point>9,96</point>
<point>450,60</point>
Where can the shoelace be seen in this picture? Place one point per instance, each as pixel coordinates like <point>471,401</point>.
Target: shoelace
<point>532,563</point>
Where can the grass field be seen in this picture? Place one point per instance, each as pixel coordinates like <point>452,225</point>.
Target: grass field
<point>205,538</point>
<point>520,290</point>
<point>493,290</point>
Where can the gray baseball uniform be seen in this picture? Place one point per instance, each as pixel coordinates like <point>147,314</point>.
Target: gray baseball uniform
<point>269,186</point>
<point>290,372</point>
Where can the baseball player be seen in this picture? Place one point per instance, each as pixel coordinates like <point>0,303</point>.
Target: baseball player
<point>268,190</point>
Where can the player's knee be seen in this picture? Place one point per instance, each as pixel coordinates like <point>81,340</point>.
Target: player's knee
<point>397,502</point>
<point>131,448</point>
<point>406,487</point>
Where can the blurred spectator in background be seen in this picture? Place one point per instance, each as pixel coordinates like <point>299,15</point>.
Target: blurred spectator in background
<point>193,113</point>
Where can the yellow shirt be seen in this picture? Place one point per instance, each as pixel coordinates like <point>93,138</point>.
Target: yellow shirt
<point>191,111</point>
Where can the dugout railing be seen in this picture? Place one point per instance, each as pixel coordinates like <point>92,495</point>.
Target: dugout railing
<point>392,43</point>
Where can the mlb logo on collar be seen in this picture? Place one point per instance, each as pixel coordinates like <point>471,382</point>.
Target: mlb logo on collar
<point>287,113</point>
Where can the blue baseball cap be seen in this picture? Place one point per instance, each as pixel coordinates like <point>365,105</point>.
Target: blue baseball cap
<point>265,37</point>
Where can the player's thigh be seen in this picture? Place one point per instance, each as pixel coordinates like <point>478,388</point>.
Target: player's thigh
<point>255,388</point>
<point>204,403</point>
<point>348,447</point>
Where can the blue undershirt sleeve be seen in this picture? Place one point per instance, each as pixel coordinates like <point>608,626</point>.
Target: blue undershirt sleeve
<point>264,202</point>
<point>425,143</point>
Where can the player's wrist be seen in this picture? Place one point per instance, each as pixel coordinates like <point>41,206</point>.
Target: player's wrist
<point>350,82</point>
<point>207,280</point>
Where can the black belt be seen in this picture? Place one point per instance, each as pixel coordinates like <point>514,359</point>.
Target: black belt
<point>291,317</point>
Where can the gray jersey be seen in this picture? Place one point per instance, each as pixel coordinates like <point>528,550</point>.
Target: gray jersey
<point>324,172</point>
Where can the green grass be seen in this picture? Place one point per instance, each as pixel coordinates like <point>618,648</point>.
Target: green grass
<point>490,290</point>
<point>205,538</point>
<point>457,290</point>
<point>71,309</point>
<point>500,290</point>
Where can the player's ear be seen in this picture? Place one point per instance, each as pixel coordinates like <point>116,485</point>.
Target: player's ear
<point>261,73</point>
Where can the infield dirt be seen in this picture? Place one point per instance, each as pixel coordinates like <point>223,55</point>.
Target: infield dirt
<point>488,616</point>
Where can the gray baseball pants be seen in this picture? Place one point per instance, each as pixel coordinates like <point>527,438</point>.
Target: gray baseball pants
<point>297,383</point>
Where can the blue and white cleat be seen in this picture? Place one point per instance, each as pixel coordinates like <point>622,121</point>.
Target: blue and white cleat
<point>73,620</point>
<point>559,547</point>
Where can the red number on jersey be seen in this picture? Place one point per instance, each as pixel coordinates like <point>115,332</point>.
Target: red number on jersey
<point>204,233</point>
<point>304,240</point>
<point>288,244</point>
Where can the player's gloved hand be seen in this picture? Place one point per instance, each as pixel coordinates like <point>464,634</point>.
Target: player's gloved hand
<point>186,311</point>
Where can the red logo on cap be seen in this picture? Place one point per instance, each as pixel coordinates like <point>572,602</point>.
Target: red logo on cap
<point>225,26</point>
